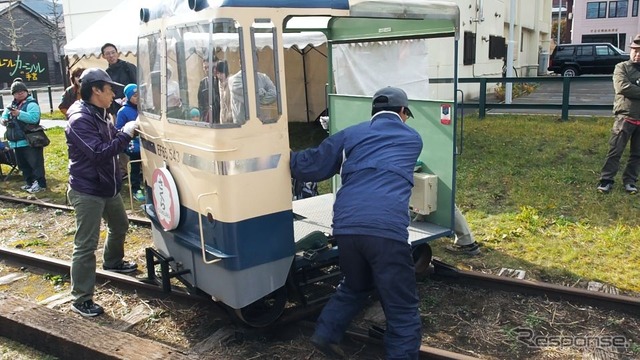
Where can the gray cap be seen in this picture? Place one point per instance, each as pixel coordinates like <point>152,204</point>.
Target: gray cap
<point>391,97</point>
<point>92,75</point>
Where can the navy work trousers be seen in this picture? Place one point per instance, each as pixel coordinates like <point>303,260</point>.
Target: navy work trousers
<point>369,263</point>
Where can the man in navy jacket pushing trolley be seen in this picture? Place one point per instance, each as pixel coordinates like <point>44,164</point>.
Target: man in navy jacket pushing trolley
<point>370,218</point>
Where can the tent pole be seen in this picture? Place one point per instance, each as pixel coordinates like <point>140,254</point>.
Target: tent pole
<point>306,92</point>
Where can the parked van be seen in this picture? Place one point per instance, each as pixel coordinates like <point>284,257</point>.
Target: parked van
<point>578,59</point>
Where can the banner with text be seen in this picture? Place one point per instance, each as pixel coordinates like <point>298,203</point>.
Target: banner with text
<point>32,67</point>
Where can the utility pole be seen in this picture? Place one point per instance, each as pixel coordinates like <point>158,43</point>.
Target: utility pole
<point>559,20</point>
<point>508,93</point>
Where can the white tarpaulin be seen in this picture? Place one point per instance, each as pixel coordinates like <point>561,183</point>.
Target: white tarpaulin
<point>225,41</point>
<point>119,27</point>
<point>373,70</point>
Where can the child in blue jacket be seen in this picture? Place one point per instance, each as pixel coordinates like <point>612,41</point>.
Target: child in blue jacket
<point>129,112</point>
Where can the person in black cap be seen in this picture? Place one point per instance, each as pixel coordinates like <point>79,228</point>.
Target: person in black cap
<point>375,160</point>
<point>94,186</point>
<point>626,127</point>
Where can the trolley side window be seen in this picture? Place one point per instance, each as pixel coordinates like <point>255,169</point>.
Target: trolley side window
<point>230,100</point>
<point>264,49</point>
<point>149,49</point>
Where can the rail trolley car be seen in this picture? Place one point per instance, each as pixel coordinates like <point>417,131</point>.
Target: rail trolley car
<point>215,99</point>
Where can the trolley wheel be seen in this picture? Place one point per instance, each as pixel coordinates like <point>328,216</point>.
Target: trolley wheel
<point>265,310</point>
<point>422,255</point>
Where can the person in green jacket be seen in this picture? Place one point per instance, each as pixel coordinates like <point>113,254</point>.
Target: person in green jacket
<point>626,127</point>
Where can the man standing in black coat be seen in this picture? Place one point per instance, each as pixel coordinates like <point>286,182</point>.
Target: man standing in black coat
<point>120,71</point>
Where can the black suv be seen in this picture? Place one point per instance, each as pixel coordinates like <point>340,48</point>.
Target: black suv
<point>577,59</point>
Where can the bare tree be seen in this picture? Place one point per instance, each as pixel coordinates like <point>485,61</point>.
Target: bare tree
<point>55,23</point>
<point>12,31</point>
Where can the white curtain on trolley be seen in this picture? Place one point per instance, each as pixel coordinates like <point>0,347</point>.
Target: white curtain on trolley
<point>363,68</point>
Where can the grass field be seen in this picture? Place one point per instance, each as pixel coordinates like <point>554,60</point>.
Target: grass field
<point>527,187</point>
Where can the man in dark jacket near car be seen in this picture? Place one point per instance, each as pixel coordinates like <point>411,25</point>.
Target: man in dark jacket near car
<point>120,71</point>
<point>626,127</point>
<point>94,186</point>
<point>375,160</point>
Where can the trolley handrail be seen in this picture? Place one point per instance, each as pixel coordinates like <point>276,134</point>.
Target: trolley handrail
<point>147,135</point>
<point>219,255</point>
<point>199,147</point>
<point>129,180</point>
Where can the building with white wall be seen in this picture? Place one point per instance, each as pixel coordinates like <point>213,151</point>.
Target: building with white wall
<point>484,36</point>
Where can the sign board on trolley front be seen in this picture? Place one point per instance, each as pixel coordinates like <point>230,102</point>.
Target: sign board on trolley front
<point>166,202</point>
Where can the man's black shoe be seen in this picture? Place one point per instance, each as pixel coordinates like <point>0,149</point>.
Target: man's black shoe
<point>330,350</point>
<point>87,308</point>
<point>124,268</point>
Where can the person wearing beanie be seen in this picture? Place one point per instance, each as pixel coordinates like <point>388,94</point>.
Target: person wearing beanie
<point>129,112</point>
<point>23,111</point>
<point>18,86</point>
<point>95,183</point>
<point>194,113</point>
<point>72,93</point>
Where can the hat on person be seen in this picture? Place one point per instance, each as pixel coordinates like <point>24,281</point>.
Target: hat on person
<point>18,86</point>
<point>391,97</point>
<point>93,75</point>
<point>130,90</point>
<point>635,43</point>
<point>194,112</point>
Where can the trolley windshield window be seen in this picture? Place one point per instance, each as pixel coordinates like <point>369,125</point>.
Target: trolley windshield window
<point>149,74</point>
<point>199,60</point>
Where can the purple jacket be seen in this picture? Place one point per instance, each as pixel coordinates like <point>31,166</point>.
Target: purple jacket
<point>94,144</point>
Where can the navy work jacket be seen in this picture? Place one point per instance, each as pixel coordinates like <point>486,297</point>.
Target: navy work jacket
<point>375,160</point>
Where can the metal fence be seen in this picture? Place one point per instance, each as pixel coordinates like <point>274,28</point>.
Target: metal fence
<point>566,106</point>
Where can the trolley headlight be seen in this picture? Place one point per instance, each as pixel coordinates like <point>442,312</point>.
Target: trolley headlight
<point>197,5</point>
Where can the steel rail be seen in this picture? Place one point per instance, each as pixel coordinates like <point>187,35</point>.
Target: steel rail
<point>119,280</point>
<point>375,338</point>
<point>443,271</point>
<point>134,219</point>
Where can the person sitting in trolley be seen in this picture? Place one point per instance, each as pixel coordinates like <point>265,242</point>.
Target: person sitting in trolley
<point>266,90</point>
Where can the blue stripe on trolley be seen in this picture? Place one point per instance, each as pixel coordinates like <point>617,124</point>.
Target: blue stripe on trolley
<point>249,242</point>
<point>327,4</point>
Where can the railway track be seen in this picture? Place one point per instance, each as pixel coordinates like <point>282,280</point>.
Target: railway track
<point>18,329</point>
<point>445,272</point>
<point>441,271</point>
<point>134,219</point>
